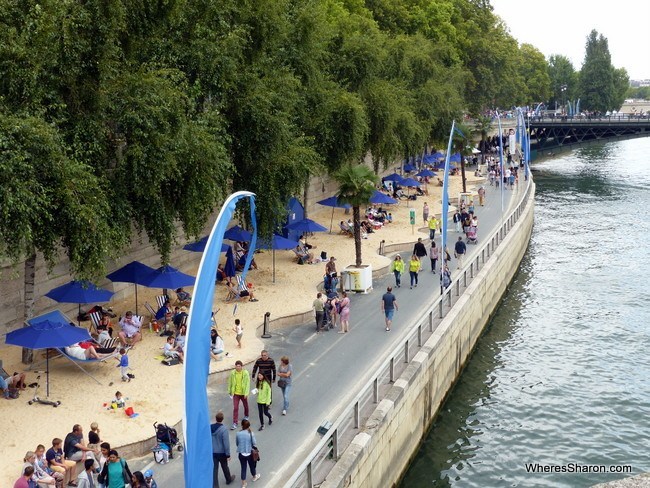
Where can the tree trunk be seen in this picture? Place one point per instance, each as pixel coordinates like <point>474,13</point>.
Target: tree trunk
<point>462,173</point>
<point>357,234</point>
<point>305,197</point>
<point>28,313</point>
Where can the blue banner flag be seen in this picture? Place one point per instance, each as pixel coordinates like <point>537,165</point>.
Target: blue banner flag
<point>196,418</point>
<point>501,183</point>
<point>445,198</point>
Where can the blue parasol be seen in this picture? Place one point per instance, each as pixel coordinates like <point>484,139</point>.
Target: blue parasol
<point>230,269</point>
<point>167,277</point>
<point>393,177</point>
<point>306,225</point>
<point>280,243</point>
<point>334,203</point>
<point>79,292</point>
<point>381,199</point>
<point>409,182</point>
<point>134,272</point>
<point>199,246</point>
<point>236,233</point>
<point>426,173</point>
<point>47,331</point>
<point>409,167</point>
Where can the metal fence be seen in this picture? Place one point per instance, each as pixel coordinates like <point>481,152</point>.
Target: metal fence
<point>319,462</point>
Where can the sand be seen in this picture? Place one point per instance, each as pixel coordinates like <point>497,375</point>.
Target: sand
<point>155,393</point>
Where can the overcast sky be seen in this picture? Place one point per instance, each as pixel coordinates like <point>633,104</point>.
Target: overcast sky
<point>562,27</point>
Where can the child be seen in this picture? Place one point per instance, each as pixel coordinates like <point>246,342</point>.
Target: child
<point>93,436</point>
<point>124,365</point>
<point>118,400</point>
<point>239,331</point>
<point>170,351</point>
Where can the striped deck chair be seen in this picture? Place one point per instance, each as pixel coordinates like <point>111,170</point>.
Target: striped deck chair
<point>161,299</point>
<point>95,318</point>
<point>78,362</point>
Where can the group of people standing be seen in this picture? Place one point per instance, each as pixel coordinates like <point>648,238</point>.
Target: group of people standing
<point>265,375</point>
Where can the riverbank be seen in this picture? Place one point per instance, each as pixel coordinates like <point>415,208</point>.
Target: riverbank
<point>155,393</point>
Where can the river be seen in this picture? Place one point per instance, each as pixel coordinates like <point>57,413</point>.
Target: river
<point>562,372</point>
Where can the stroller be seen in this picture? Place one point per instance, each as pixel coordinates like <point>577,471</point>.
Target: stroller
<point>471,235</point>
<point>327,319</point>
<point>167,436</point>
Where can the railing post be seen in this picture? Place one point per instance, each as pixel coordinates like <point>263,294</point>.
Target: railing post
<point>471,270</point>
<point>406,351</point>
<point>310,482</point>
<point>375,391</point>
<point>392,370</point>
<point>431,319</point>
<point>464,280</point>
<point>335,445</point>
<point>356,415</point>
<point>442,298</point>
<point>419,335</point>
<point>483,253</point>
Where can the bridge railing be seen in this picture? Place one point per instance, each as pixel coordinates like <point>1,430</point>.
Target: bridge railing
<point>635,118</point>
<point>387,369</point>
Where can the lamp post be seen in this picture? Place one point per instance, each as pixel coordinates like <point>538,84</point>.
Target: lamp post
<point>563,90</point>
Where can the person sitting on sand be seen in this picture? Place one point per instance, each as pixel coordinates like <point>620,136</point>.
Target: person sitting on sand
<point>17,380</point>
<point>244,294</point>
<point>184,298</point>
<point>130,329</point>
<point>170,351</point>
<point>84,351</point>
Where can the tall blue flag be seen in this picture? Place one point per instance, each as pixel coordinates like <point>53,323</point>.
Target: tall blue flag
<point>445,195</point>
<point>196,418</point>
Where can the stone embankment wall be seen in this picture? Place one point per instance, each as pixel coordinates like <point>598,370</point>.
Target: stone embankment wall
<point>382,450</point>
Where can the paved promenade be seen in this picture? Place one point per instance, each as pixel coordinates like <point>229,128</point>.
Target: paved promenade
<point>329,368</point>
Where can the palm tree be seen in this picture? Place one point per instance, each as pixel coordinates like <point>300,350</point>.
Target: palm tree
<point>356,185</point>
<point>462,144</point>
<point>483,125</point>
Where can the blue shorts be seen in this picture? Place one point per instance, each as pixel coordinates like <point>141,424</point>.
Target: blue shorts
<point>389,313</point>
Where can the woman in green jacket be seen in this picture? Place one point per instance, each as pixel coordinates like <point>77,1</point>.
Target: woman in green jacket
<point>414,269</point>
<point>263,399</point>
<point>397,267</point>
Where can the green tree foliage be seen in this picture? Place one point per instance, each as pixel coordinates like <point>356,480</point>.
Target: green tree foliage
<point>621,84</point>
<point>564,80</point>
<point>596,85</point>
<point>356,185</point>
<point>534,71</point>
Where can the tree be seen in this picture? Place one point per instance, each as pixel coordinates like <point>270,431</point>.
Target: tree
<point>534,70</point>
<point>462,143</point>
<point>356,185</point>
<point>564,80</point>
<point>596,86</point>
<point>483,125</point>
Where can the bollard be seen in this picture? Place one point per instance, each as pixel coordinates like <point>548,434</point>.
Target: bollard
<point>266,334</point>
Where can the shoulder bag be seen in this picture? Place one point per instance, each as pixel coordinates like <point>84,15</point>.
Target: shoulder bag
<point>255,452</point>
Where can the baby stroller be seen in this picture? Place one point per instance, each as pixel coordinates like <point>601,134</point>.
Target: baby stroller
<point>327,309</point>
<point>471,235</point>
<point>167,436</point>
<point>330,283</point>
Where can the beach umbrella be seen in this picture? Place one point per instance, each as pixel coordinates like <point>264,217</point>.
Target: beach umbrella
<point>134,272</point>
<point>409,182</point>
<point>306,225</point>
<point>47,331</point>
<point>79,292</point>
<point>393,177</point>
<point>334,203</point>
<point>236,233</point>
<point>455,158</point>
<point>167,277</point>
<point>230,268</point>
<point>426,173</point>
<point>409,167</point>
<point>381,199</point>
<point>280,243</point>
<point>199,246</point>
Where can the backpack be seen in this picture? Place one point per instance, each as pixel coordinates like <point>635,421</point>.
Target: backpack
<point>160,455</point>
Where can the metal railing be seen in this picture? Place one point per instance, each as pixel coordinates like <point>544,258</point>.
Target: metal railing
<point>387,369</point>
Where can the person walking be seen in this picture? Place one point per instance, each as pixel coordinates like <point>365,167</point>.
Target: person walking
<point>397,267</point>
<point>263,398</point>
<point>220,451</point>
<point>433,256</point>
<point>460,249</point>
<point>458,220</point>
<point>116,472</point>
<point>414,268</point>
<point>425,213</point>
<point>481,196</point>
<point>419,249</point>
<point>266,365</point>
<point>344,307</point>
<point>246,442</point>
<point>239,332</point>
<point>433,226</point>
<point>319,311</point>
<point>285,371</point>
<point>239,385</point>
<point>388,306</point>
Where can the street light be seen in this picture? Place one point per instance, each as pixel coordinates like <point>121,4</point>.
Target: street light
<point>563,90</point>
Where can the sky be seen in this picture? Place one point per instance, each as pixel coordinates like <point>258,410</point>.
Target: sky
<point>544,24</point>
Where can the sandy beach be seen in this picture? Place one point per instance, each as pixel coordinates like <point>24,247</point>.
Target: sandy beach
<point>155,393</point>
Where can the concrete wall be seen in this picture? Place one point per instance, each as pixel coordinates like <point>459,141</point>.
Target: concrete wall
<point>381,452</point>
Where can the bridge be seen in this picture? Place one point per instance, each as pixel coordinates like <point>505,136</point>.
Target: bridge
<point>548,134</point>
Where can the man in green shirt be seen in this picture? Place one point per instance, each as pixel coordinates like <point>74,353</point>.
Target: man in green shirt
<point>239,385</point>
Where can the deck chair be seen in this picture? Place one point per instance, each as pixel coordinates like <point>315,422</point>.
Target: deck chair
<point>161,299</point>
<point>152,313</point>
<point>300,258</point>
<point>78,362</point>
<point>95,318</point>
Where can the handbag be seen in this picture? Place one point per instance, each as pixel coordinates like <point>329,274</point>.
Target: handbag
<point>255,452</point>
<point>282,383</point>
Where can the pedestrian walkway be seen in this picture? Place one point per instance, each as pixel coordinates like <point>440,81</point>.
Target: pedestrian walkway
<point>330,368</point>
